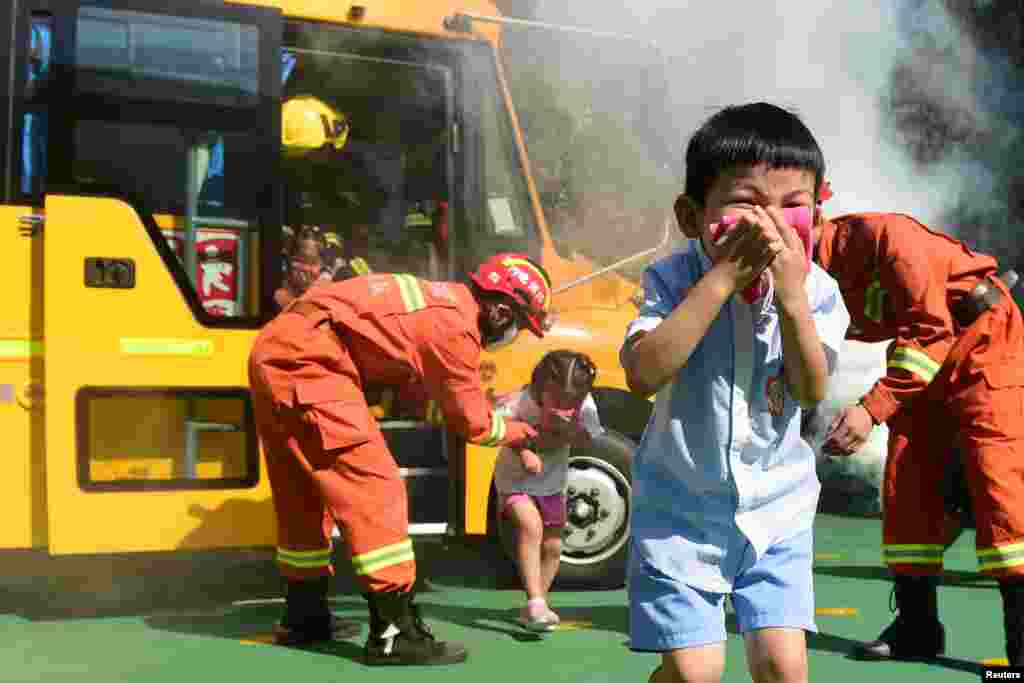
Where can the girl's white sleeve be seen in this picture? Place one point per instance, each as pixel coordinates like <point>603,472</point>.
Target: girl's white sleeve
<point>590,417</point>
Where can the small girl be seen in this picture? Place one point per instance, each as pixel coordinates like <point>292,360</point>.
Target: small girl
<point>305,266</point>
<point>531,481</point>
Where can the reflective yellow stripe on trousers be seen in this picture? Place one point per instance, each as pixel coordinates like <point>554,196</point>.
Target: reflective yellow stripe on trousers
<point>1001,557</point>
<point>912,554</point>
<point>378,559</point>
<point>304,559</point>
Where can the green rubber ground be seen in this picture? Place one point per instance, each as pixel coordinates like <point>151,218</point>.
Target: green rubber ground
<point>228,642</point>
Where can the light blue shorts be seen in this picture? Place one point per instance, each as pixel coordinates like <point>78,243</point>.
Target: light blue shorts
<point>775,592</point>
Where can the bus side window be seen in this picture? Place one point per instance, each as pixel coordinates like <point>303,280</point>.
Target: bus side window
<point>35,123</point>
<point>200,177</point>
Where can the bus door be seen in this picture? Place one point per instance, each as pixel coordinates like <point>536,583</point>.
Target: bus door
<point>150,443</point>
<point>381,200</point>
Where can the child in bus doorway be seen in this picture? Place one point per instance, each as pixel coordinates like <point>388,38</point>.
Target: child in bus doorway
<point>305,265</point>
<point>531,481</point>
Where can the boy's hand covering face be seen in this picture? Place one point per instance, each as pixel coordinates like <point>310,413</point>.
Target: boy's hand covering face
<point>793,261</point>
<point>786,232</point>
<point>740,198</point>
<point>796,217</point>
<point>748,249</point>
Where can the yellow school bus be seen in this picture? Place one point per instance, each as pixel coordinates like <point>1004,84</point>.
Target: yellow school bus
<point>146,210</point>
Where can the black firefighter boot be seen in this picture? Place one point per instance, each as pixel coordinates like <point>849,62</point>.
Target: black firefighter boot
<point>916,633</point>
<point>1013,620</point>
<point>398,635</point>
<point>307,618</point>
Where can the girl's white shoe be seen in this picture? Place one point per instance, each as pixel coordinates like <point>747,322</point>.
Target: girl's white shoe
<point>538,618</point>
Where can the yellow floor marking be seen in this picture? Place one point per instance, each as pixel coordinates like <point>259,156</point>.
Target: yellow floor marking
<point>574,625</point>
<point>828,556</point>
<point>998,661</point>
<point>258,639</point>
<point>837,611</point>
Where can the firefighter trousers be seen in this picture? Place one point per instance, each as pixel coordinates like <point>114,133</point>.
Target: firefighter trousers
<point>322,469</point>
<point>976,403</point>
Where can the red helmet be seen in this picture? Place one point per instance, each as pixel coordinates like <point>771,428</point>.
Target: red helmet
<point>521,279</point>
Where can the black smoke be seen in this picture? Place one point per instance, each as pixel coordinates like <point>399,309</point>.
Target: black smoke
<point>956,97</point>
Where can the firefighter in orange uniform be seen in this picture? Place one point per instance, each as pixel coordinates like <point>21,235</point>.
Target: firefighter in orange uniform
<point>310,371</point>
<point>955,376</point>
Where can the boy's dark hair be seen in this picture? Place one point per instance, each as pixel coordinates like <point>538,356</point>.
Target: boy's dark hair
<point>758,133</point>
<point>570,369</point>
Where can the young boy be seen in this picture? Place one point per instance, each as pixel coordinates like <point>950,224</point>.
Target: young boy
<point>531,480</point>
<point>724,488</point>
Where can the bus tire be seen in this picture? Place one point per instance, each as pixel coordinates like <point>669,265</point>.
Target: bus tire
<point>622,411</point>
<point>595,545</point>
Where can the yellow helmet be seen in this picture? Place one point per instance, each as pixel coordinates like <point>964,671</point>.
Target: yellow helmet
<point>308,124</point>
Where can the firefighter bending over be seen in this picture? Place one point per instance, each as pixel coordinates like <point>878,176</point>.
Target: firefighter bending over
<point>310,371</point>
<point>955,375</point>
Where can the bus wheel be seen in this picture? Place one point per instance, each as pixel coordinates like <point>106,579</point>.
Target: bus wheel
<point>595,543</point>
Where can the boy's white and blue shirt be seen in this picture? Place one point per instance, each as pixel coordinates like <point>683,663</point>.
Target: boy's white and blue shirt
<point>717,465</point>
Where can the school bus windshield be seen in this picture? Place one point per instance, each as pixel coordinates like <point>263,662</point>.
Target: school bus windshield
<point>600,141</point>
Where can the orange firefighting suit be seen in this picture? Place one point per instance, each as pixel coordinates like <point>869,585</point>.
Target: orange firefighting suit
<point>310,371</point>
<point>944,385</point>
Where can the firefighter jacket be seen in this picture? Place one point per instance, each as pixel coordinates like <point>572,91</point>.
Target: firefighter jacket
<point>900,280</point>
<point>400,331</point>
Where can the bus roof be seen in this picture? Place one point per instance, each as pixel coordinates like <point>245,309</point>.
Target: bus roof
<point>422,16</point>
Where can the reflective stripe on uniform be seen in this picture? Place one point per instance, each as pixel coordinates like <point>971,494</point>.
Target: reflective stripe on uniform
<point>497,433</point>
<point>304,559</point>
<point>874,300</point>
<point>917,362</point>
<point>912,554</point>
<point>1001,557</point>
<point>412,296</point>
<point>381,558</point>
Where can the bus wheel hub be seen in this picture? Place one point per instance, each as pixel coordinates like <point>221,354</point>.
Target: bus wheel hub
<point>596,511</point>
